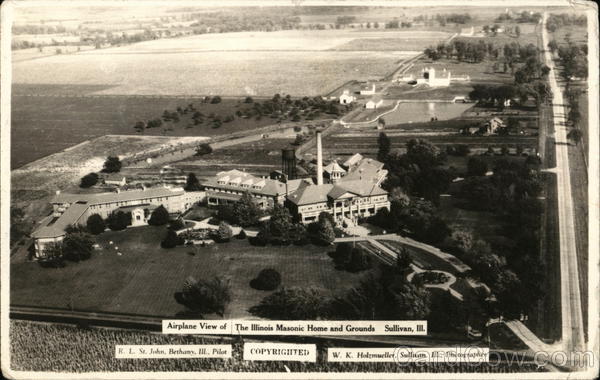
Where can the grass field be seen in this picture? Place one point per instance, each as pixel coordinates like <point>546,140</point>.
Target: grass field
<point>60,122</point>
<point>130,283</point>
<point>231,64</point>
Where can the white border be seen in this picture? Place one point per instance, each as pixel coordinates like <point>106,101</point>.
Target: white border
<point>7,10</point>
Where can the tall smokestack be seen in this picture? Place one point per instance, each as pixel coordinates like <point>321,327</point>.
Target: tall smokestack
<point>319,159</point>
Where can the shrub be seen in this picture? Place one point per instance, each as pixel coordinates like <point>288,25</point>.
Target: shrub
<point>358,261</point>
<point>159,217</point>
<point>112,165</point>
<point>267,279</point>
<point>291,304</point>
<point>215,100</point>
<point>95,224</point>
<point>224,233</point>
<point>205,296</point>
<point>177,224</point>
<point>118,221</point>
<point>241,235</point>
<point>342,254</point>
<point>171,240</point>
<point>88,180</point>
<point>203,149</point>
<point>77,246</point>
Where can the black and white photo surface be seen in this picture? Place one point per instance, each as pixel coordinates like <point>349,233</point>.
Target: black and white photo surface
<point>299,189</point>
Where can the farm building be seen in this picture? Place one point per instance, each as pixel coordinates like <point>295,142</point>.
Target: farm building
<point>374,103</point>
<point>346,98</point>
<point>115,179</point>
<point>368,90</point>
<point>74,209</point>
<point>493,125</point>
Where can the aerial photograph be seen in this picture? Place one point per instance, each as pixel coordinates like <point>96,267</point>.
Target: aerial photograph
<point>300,162</point>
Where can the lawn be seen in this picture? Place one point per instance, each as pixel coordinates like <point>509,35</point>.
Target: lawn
<point>144,279</point>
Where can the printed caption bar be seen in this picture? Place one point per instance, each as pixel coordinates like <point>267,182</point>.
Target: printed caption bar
<point>410,355</point>
<point>235,327</point>
<point>168,351</point>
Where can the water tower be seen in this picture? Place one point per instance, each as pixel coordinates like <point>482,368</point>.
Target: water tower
<point>288,162</point>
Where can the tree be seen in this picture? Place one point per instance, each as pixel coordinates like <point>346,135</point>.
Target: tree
<point>575,135</point>
<point>291,304</point>
<point>205,297</point>
<point>248,100</point>
<point>342,254</point>
<point>384,144</point>
<point>359,261</point>
<point>476,166</point>
<point>224,232</point>
<point>172,239</point>
<point>118,220</point>
<point>267,279</point>
<point>159,217</point>
<point>403,262</point>
<point>192,183</point>
<point>95,224</point>
<point>89,180</point>
<point>215,100</point>
<point>52,256</point>
<point>323,232</point>
<point>77,246</point>
<point>397,195</point>
<point>112,165</point>
<point>203,149</point>
<point>517,31</point>
<point>246,211</point>
<point>552,46</point>
<point>19,227</point>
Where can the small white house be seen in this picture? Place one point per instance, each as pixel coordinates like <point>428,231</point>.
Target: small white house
<point>115,179</point>
<point>346,98</point>
<point>368,90</point>
<point>374,103</point>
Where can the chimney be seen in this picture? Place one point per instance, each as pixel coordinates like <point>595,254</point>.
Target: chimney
<point>319,159</point>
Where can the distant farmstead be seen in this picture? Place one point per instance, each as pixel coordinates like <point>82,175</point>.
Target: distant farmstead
<point>346,98</point>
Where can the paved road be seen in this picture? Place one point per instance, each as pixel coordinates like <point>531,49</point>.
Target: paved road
<point>571,312</point>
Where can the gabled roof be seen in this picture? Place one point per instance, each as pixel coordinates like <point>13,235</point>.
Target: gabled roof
<point>362,188</point>
<point>334,167</point>
<point>56,227</point>
<point>355,159</point>
<point>268,186</point>
<point>367,169</point>
<point>123,196</point>
<point>308,194</point>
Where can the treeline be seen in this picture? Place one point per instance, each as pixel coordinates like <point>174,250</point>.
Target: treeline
<point>224,22</point>
<point>497,95</point>
<point>511,194</point>
<point>38,29</point>
<point>523,17</point>
<point>415,183</point>
<point>473,52</point>
<point>280,229</point>
<point>573,59</point>
<point>557,21</point>
<point>453,18</point>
